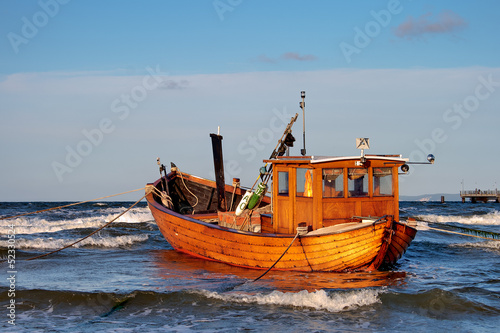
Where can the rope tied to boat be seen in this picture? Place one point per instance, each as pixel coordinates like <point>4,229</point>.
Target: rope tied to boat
<point>166,200</point>
<point>183,183</point>
<point>299,232</point>
<point>482,234</point>
<point>68,205</point>
<point>464,234</point>
<point>95,231</point>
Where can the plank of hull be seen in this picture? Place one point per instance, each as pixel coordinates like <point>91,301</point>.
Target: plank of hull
<point>334,252</point>
<point>343,251</point>
<point>401,239</point>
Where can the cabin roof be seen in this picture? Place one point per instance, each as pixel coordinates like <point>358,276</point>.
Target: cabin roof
<point>324,159</point>
<point>394,158</point>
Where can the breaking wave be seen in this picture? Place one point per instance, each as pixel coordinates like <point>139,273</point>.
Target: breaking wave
<point>52,243</point>
<point>320,300</point>
<point>36,225</point>
<point>493,245</point>
<point>491,218</point>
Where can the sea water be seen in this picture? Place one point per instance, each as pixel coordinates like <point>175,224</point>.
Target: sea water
<point>127,278</point>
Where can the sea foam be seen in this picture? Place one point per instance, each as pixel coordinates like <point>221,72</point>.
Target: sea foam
<point>493,245</point>
<point>28,225</point>
<point>492,218</point>
<point>321,300</point>
<point>54,243</point>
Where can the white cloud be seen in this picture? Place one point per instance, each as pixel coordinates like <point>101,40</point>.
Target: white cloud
<point>293,56</point>
<point>394,107</point>
<point>446,22</point>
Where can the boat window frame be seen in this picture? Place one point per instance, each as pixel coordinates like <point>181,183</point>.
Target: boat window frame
<point>301,181</point>
<point>365,185</point>
<point>286,181</point>
<point>387,178</point>
<point>339,193</point>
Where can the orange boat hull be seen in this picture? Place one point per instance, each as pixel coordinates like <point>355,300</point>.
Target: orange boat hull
<point>365,246</point>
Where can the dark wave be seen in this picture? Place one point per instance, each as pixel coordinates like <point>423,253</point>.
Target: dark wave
<point>440,304</point>
<point>92,303</point>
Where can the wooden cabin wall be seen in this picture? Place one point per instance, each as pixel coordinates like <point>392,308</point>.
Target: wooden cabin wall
<point>338,210</point>
<point>318,212</point>
<point>266,223</point>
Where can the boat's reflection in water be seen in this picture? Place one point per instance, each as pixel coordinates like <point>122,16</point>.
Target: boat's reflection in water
<point>180,271</point>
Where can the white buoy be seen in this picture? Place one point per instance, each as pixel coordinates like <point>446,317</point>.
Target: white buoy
<point>243,203</point>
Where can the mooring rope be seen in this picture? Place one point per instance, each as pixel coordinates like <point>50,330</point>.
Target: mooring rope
<point>461,233</point>
<point>164,196</point>
<point>267,271</point>
<point>297,235</point>
<point>68,205</point>
<point>92,233</point>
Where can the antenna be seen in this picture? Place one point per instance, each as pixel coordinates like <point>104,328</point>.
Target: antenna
<point>303,107</point>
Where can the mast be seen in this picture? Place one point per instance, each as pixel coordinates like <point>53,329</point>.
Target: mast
<point>303,107</point>
<point>219,171</point>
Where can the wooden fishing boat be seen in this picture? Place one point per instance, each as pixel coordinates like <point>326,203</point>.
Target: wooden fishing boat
<point>327,214</point>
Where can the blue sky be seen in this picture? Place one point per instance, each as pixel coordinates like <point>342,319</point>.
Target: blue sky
<point>92,92</point>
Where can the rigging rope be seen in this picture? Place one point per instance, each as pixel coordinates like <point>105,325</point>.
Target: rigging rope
<point>92,233</point>
<point>182,179</point>
<point>68,205</point>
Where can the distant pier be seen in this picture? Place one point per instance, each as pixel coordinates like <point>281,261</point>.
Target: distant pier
<point>478,195</point>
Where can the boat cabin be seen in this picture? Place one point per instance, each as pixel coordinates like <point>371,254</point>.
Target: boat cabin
<point>324,191</point>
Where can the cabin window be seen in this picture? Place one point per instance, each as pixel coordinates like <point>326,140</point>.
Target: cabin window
<point>304,182</point>
<point>333,183</point>
<point>382,181</point>
<point>358,182</point>
<point>282,183</point>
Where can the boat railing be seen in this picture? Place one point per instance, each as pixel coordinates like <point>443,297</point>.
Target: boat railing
<point>383,218</point>
<point>375,219</point>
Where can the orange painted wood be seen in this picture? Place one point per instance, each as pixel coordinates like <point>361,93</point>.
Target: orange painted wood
<point>334,252</point>
<point>364,246</point>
